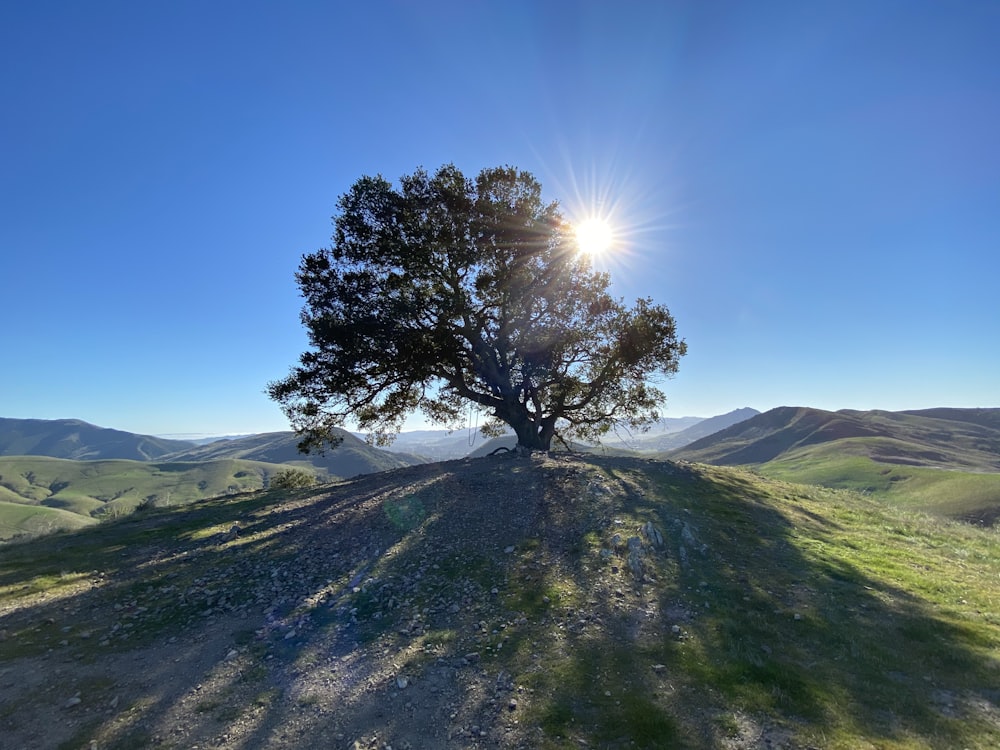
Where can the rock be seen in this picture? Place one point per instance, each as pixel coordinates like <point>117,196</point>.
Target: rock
<point>508,550</point>
<point>512,705</point>
<point>402,682</point>
<point>74,701</point>
<point>659,668</point>
<point>635,556</point>
<point>687,536</point>
<point>652,534</point>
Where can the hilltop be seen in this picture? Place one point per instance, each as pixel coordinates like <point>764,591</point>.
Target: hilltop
<point>80,441</point>
<point>504,602</point>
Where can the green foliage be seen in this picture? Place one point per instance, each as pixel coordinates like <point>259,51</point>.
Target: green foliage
<point>292,479</point>
<point>448,290</point>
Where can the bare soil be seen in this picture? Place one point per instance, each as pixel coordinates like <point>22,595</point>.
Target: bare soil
<point>367,615</point>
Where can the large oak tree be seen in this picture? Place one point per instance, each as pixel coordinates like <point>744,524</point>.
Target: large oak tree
<point>447,290</point>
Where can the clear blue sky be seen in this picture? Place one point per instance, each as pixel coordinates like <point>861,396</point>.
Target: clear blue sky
<point>813,188</point>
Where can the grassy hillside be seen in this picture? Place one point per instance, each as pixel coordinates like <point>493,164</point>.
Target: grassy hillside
<point>40,493</point>
<point>78,440</point>
<point>940,460</point>
<point>961,439</point>
<point>970,496</point>
<point>550,602</point>
<point>18,519</point>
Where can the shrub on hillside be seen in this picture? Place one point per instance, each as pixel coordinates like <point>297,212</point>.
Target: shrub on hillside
<point>292,479</point>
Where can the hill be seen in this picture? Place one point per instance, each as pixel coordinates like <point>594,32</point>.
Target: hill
<point>672,440</point>
<point>80,441</point>
<point>62,474</point>
<point>549,602</point>
<point>942,460</point>
<point>352,457</point>
<point>39,494</point>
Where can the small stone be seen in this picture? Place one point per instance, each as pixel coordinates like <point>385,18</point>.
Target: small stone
<point>508,550</point>
<point>290,634</point>
<point>798,616</point>
<point>472,657</point>
<point>232,653</point>
<point>74,701</point>
<point>659,668</point>
<point>676,629</point>
<point>402,682</point>
<point>512,705</point>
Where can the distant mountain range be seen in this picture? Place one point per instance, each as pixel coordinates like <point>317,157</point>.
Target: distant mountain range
<point>938,438</point>
<point>665,434</point>
<point>60,473</point>
<point>80,441</point>
<point>349,459</point>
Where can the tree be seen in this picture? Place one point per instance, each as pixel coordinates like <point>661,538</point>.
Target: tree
<point>292,479</point>
<point>448,290</point>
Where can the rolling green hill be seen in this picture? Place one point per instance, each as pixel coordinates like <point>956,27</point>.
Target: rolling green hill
<point>61,474</point>
<point>546,602</point>
<point>939,460</point>
<point>39,493</point>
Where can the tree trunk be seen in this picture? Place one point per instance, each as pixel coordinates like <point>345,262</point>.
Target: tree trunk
<point>532,437</point>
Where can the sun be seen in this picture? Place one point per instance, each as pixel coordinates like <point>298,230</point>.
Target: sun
<point>594,236</point>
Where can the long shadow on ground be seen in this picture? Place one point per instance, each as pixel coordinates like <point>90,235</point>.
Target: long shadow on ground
<point>496,602</point>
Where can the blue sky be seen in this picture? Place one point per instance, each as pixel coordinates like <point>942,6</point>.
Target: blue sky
<point>812,188</point>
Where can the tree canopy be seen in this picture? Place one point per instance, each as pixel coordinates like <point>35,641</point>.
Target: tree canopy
<point>447,290</point>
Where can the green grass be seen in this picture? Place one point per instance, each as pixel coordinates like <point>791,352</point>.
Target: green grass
<point>35,520</point>
<point>108,489</point>
<point>844,465</point>
<point>822,612</point>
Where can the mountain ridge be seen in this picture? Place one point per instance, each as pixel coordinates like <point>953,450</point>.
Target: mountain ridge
<point>956,438</point>
<point>78,440</point>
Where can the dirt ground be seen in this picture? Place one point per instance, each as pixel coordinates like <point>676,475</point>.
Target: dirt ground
<point>369,614</point>
<point>336,620</point>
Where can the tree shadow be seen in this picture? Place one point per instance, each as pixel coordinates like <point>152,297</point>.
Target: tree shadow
<point>476,603</point>
<point>754,623</point>
<point>348,614</point>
